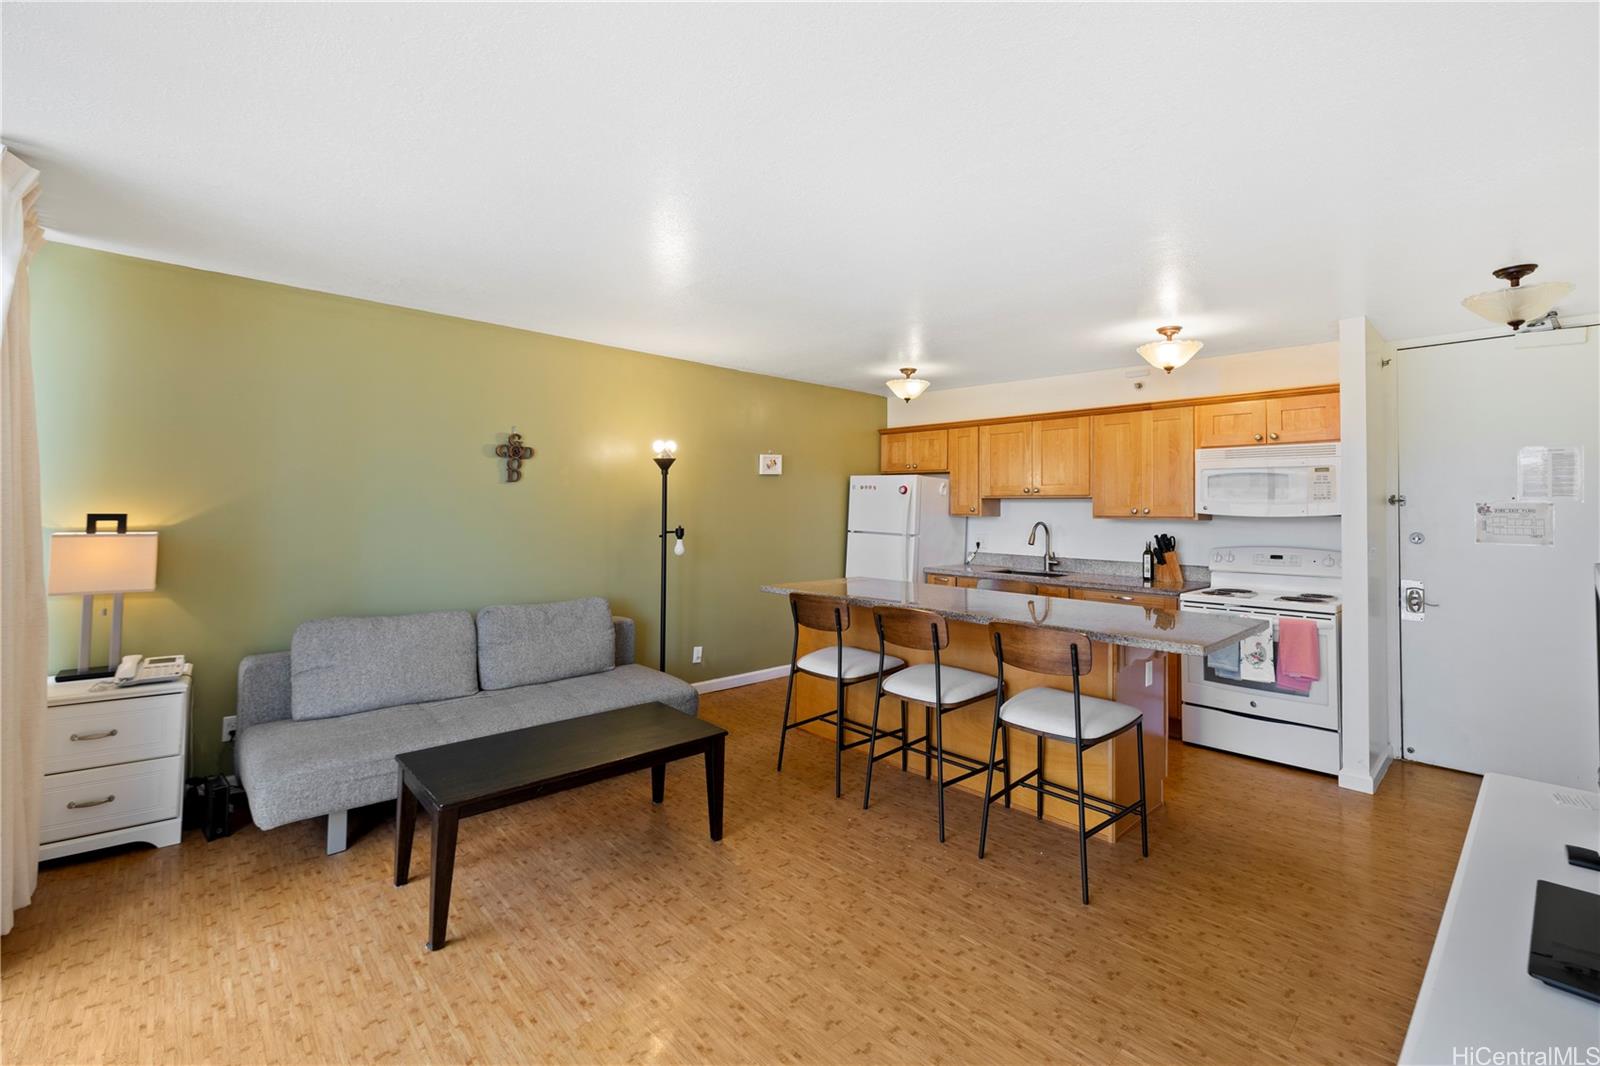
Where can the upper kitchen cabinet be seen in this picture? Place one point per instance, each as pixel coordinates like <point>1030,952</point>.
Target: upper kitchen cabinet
<point>965,497</point>
<point>1005,459</point>
<point>1143,463</point>
<point>1279,420</point>
<point>1049,457</point>
<point>1298,419</point>
<point>918,451</point>
<point>1061,446</point>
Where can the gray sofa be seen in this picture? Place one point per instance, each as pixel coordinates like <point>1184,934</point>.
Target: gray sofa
<point>319,725</point>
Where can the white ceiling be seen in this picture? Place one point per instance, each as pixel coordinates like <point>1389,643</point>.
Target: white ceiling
<point>827,192</point>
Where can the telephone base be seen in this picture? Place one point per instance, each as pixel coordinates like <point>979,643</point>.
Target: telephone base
<point>87,675</point>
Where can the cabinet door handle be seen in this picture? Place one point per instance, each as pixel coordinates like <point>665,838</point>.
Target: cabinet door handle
<point>1147,510</point>
<point>1133,510</point>
<point>94,736</point>
<point>1258,436</point>
<point>74,805</point>
<point>1274,436</point>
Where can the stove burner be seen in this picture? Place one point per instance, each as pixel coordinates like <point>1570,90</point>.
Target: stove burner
<point>1309,597</point>
<point>1227,592</point>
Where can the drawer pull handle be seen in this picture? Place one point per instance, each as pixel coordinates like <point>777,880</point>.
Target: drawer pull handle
<point>95,736</point>
<point>75,805</point>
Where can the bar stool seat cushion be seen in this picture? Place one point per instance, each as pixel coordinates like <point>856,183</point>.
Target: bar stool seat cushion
<point>916,683</point>
<point>858,662</point>
<point>1049,711</point>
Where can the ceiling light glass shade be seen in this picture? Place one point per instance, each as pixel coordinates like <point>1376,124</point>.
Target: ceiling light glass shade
<point>907,388</point>
<point>1519,304</point>
<point>1169,354</point>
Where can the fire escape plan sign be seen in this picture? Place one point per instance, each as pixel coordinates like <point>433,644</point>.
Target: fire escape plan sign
<point>1517,522</point>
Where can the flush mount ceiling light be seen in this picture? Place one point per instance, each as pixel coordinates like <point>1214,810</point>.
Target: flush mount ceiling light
<point>907,388</point>
<point>1169,354</point>
<point>1520,303</point>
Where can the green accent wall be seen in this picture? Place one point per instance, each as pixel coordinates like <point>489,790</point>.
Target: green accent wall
<point>306,455</point>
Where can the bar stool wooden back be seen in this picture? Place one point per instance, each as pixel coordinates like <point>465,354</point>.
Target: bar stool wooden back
<point>939,688</point>
<point>842,664</point>
<point>1055,714</point>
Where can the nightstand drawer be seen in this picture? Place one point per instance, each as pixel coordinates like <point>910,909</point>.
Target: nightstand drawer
<point>80,735</point>
<point>109,797</point>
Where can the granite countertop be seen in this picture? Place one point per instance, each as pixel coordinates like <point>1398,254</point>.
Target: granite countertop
<point>1180,632</point>
<point>1103,574</point>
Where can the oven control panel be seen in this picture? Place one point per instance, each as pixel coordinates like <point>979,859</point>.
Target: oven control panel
<point>1323,562</point>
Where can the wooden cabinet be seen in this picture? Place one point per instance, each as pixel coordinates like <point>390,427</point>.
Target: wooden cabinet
<point>1138,599</point>
<point>920,451</point>
<point>1049,457</point>
<point>1230,425</point>
<point>1143,463</point>
<point>1005,459</point>
<point>1298,419</point>
<point>1120,463</point>
<point>940,579</point>
<point>966,498</point>
<point>1278,420</point>
<point>1061,450</point>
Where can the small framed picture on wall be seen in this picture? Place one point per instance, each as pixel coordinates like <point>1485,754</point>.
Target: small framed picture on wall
<point>769,465</point>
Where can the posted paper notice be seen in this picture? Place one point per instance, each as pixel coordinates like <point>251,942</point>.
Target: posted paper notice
<point>1549,473</point>
<point>1517,522</point>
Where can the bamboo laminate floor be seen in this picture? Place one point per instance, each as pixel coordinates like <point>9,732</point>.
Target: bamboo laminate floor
<point>1278,919</point>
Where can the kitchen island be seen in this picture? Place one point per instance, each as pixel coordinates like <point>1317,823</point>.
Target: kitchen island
<point>1128,664</point>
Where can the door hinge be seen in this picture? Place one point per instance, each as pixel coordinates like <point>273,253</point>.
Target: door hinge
<point>1396,500</point>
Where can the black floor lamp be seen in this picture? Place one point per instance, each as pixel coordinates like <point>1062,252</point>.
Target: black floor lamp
<point>666,454</point>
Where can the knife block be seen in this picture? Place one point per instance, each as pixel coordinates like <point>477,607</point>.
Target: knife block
<point>1169,575</point>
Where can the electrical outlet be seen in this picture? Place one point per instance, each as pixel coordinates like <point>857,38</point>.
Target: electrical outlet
<point>230,726</point>
<point>1149,673</point>
<point>699,653</point>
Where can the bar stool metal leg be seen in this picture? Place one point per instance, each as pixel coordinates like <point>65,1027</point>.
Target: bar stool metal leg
<point>1083,835</point>
<point>938,733</point>
<point>788,697</point>
<point>1038,768</point>
<point>1144,811</point>
<point>872,744</point>
<point>927,743</point>
<point>838,739</point>
<point>1005,756</point>
<point>988,785</point>
<point>905,737</point>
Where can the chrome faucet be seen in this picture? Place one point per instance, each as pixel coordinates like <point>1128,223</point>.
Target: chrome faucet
<point>1049,556</point>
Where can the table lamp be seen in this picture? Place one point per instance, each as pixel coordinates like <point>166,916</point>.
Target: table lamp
<point>91,563</point>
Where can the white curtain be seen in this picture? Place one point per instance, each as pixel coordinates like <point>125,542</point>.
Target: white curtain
<point>23,647</point>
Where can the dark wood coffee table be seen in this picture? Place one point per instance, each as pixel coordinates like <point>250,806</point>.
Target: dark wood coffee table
<point>455,781</point>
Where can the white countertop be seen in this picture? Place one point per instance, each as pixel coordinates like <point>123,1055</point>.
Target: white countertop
<point>1477,992</point>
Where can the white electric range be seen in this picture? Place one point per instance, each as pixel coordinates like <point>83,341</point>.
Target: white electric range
<point>1277,720</point>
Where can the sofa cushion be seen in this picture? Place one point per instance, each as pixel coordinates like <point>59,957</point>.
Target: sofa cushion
<point>343,665</point>
<point>300,769</point>
<point>531,643</point>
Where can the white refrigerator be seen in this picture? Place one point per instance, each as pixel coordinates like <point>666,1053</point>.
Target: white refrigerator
<point>899,524</point>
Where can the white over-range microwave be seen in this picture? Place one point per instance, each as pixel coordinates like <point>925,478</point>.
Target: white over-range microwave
<point>1268,480</point>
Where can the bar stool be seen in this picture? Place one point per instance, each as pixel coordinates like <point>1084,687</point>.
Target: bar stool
<point>842,664</point>
<point>1082,721</point>
<point>940,689</point>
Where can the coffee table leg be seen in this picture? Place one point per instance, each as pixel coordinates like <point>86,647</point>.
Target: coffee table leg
<point>439,875</point>
<point>405,827</point>
<point>658,783</point>
<point>714,785</point>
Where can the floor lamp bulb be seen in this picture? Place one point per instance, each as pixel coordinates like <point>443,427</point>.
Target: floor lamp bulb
<point>677,549</point>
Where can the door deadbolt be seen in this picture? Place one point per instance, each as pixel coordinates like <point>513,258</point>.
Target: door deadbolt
<point>1417,538</point>
<point>1414,601</point>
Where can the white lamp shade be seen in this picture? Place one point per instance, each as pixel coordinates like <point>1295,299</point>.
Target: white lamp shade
<point>85,564</point>
<point>1169,355</point>
<point>1520,303</point>
<point>907,389</point>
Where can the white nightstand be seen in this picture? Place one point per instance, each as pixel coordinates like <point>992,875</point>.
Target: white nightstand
<point>114,761</point>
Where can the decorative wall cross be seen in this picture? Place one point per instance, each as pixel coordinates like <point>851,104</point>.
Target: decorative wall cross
<point>513,452</point>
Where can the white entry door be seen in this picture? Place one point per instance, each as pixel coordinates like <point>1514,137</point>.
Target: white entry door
<point>1497,650</point>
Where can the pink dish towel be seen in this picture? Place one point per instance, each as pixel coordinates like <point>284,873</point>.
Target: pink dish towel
<point>1299,657</point>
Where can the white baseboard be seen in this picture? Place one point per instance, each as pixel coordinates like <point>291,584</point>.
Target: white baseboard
<point>717,684</point>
